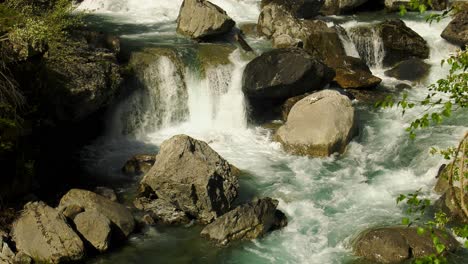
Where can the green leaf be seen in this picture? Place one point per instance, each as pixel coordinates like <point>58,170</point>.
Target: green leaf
<point>440,248</point>
<point>421,231</point>
<point>405,221</point>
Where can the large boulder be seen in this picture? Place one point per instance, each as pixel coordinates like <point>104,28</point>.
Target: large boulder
<point>410,70</point>
<point>246,222</point>
<point>116,213</point>
<point>95,228</point>
<point>319,125</point>
<point>337,7</point>
<point>284,73</point>
<point>299,8</point>
<point>192,176</point>
<point>200,19</point>
<point>353,73</point>
<point>43,233</point>
<point>456,31</point>
<point>401,42</point>
<point>398,244</point>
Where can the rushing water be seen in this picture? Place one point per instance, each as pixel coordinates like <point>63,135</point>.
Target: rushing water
<point>328,201</point>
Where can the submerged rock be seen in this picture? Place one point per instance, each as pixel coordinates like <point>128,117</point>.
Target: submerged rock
<point>162,211</point>
<point>139,164</point>
<point>319,125</point>
<point>397,244</point>
<point>409,70</point>
<point>190,174</point>
<point>95,228</point>
<point>284,73</point>
<point>246,222</point>
<point>457,31</point>
<point>43,233</point>
<point>200,19</point>
<point>117,213</point>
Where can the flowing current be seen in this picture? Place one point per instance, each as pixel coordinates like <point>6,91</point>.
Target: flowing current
<point>328,201</point>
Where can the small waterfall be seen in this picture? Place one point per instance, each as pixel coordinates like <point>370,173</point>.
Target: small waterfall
<point>161,103</point>
<point>368,44</point>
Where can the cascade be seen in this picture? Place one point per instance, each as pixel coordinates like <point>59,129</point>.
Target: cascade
<point>368,44</point>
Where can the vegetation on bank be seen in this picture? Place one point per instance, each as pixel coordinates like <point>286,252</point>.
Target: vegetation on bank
<point>443,98</point>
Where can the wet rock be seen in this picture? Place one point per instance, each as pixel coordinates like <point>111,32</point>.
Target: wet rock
<point>249,29</point>
<point>190,174</point>
<point>337,7</point>
<point>43,233</point>
<point>457,31</point>
<point>139,164</point>
<point>397,244</point>
<point>442,184</point>
<point>401,42</point>
<point>353,73</point>
<point>106,192</point>
<point>284,73</point>
<point>200,19</point>
<point>116,213</point>
<point>161,211</point>
<point>148,220</point>
<point>95,228</point>
<point>298,8</point>
<point>449,203</point>
<point>319,125</point>
<point>246,222</point>
<point>409,70</point>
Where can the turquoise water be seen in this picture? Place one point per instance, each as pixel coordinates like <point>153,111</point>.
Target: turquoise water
<point>328,201</point>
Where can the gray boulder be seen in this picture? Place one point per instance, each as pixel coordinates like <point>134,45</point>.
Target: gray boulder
<point>457,31</point>
<point>319,125</point>
<point>95,228</point>
<point>190,174</point>
<point>409,70</point>
<point>398,244</point>
<point>116,213</point>
<point>162,211</point>
<point>43,233</point>
<point>200,19</point>
<point>246,222</point>
<point>284,73</point>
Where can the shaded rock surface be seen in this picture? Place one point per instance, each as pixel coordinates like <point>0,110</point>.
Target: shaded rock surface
<point>456,31</point>
<point>397,244</point>
<point>106,192</point>
<point>449,203</point>
<point>200,19</point>
<point>299,8</point>
<point>43,233</point>
<point>318,125</point>
<point>337,7</point>
<point>190,174</point>
<point>139,164</point>
<point>248,221</point>
<point>116,213</point>
<point>162,211</point>
<point>284,73</point>
<point>353,73</point>
<point>409,70</point>
<point>95,228</point>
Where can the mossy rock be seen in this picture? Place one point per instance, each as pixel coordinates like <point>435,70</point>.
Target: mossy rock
<point>214,54</point>
<point>142,59</point>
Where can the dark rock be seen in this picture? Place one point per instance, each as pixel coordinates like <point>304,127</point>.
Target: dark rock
<point>106,192</point>
<point>117,213</point>
<point>401,42</point>
<point>161,211</point>
<point>457,31</point>
<point>246,222</point>
<point>101,40</point>
<point>139,164</point>
<point>43,233</point>
<point>337,7</point>
<point>442,184</point>
<point>403,86</point>
<point>353,73</point>
<point>284,73</point>
<point>449,203</point>
<point>409,70</point>
<point>200,19</point>
<point>191,175</point>
<point>397,244</point>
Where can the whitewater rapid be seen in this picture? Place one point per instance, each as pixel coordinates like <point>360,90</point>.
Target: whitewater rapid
<point>328,201</point>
